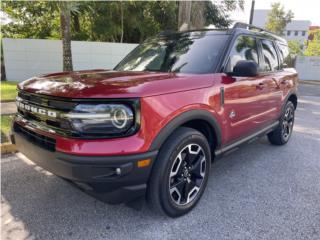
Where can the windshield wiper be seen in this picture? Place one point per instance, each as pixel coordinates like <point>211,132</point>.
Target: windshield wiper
<point>179,68</point>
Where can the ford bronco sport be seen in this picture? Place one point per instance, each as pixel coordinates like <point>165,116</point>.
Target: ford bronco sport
<point>153,125</point>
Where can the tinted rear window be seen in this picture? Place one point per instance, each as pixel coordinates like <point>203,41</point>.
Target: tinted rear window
<point>195,52</point>
<point>284,55</point>
<point>269,55</point>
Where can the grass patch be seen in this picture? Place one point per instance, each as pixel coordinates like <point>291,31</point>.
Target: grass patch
<point>5,127</point>
<point>8,90</point>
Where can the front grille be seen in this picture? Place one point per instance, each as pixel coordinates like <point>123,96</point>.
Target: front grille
<point>38,139</point>
<point>50,103</point>
<point>47,101</point>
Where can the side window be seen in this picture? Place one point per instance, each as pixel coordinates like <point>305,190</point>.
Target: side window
<point>244,48</point>
<point>284,55</point>
<point>269,55</point>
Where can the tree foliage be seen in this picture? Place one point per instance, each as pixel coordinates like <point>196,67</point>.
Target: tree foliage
<point>114,21</point>
<point>278,19</point>
<point>31,20</point>
<point>204,13</point>
<point>313,44</point>
<point>93,21</point>
<point>218,13</point>
<point>295,49</point>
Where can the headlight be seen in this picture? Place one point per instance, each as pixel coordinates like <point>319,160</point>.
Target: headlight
<point>101,119</point>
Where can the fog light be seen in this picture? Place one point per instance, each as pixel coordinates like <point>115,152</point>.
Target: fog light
<point>118,171</point>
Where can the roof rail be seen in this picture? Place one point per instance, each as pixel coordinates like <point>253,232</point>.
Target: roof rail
<point>249,26</point>
<point>166,32</point>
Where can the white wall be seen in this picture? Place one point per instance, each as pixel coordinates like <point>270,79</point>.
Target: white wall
<point>260,17</point>
<point>25,58</point>
<point>308,68</point>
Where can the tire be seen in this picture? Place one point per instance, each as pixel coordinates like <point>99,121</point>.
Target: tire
<point>182,168</point>
<point>282,133</point>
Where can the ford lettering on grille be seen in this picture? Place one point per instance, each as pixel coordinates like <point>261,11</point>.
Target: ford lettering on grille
<point>36,110</point>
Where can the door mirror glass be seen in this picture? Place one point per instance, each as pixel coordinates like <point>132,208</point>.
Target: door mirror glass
<point>245,68</point>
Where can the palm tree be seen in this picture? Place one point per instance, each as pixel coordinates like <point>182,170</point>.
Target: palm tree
<point>184,15</point>
<point>65,19</point>
<point>195,14</point>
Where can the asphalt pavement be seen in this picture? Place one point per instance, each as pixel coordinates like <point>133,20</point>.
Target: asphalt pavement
<point>258,192</point>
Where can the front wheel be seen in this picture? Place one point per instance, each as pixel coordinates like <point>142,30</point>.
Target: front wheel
<point>282,133</point>
<point>180,173</point>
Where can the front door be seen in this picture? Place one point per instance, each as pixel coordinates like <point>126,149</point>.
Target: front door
<point>245,98</point>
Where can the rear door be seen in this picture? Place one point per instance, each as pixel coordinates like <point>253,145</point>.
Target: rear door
<point>244,97</point>
<point>286,77</point>
<point>273,79</point>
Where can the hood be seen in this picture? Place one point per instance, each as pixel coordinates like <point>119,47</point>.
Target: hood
<point>113,84</point>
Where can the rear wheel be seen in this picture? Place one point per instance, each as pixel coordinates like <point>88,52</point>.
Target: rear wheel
<point>282,133</point>
<point>180,173</point>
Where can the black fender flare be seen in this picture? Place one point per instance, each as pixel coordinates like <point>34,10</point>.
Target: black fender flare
<point>183,118</point>
<point>290,94</point>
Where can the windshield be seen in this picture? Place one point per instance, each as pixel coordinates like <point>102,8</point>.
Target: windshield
<point>192,52</point>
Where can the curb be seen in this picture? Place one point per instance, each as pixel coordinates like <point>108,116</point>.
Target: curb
<point>310,82</point>
<point>8,148</point>
<point>8,114</point>
<point>7,101</point>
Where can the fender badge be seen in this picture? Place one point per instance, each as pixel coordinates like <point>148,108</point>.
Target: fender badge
<point>232,114</point>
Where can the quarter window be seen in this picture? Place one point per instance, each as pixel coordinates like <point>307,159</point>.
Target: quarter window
<point>284,56</point>
<point>244,48</point>
<point>269,55</point>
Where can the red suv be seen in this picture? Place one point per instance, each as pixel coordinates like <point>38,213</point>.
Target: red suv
<point>153,125</point>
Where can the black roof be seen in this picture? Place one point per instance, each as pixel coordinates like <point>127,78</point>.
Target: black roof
<point>251,29</point>
<point>238,28</point>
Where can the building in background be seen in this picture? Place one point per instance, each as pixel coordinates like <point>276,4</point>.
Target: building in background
<point>298,30</point>
<point>295,30</point>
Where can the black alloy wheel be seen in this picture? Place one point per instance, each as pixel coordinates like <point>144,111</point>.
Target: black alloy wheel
<point>287,123</point>
<point>187,174</point>
<point>180,173</point>
<point>283,132</point>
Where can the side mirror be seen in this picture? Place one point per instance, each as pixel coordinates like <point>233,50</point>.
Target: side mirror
<point>245,68</point>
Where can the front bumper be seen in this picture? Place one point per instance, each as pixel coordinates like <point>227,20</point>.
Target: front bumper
<point>118,178</point>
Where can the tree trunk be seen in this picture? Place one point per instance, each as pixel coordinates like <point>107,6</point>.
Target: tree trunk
<point>3,70</point>
<point>184,15</point>
<point>76,21</point>
<point>197,15</point>
<point>66,36</point>
<point>121,7</point>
